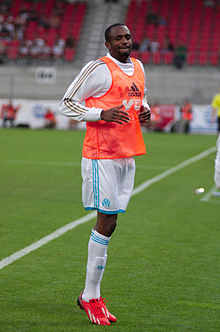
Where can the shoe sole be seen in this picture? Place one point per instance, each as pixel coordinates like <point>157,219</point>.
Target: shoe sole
<point>79,304</point>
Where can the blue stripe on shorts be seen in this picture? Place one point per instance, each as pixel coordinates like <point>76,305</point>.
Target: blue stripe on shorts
<point>95,177</point>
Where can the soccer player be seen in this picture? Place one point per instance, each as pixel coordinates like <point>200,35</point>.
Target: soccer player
<point>114,91</point>
<point>217,166</point>
<point>216,108</point>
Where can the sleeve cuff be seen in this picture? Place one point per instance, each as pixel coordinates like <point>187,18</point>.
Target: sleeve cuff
<point>94,114</point>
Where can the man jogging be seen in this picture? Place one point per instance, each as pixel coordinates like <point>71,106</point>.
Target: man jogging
<point>110,95</point>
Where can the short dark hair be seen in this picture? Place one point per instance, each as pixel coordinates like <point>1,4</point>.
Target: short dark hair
<point>108,30</point>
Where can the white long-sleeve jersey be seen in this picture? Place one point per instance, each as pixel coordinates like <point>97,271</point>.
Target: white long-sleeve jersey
<point>94,80</point>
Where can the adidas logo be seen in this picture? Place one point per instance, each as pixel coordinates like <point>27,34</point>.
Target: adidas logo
<point>134,91</point>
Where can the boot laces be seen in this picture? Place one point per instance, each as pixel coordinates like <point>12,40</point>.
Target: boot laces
<point>96,308</point>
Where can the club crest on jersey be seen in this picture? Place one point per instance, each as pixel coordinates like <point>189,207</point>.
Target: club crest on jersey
<point>106,202</point>
<point>134,91</point>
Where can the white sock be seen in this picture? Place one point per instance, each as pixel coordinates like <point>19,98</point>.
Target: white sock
<point>97,257</point>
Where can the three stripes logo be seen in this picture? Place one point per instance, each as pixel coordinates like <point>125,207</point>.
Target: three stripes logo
<point>134,91</point>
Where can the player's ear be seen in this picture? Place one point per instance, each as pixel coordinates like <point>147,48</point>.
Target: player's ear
<point>107,44</point>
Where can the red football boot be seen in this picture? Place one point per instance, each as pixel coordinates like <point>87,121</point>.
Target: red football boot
<point>94,310</point>
<point>110,317</point>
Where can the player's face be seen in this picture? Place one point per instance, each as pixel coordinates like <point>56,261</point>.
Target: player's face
<point>120,43</point>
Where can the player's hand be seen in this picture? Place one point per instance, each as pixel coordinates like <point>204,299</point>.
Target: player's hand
<point>144,115</point>
<point>115,114</point>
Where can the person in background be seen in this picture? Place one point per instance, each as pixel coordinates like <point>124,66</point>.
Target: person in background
<point>216,109</point>
<point>155,116</point>
<point>50,120</point>
<point>8,114</point>
<point>180,53</point>
<point>186,115</point>
<point>145,45</point>
<point>217,167</point>
<point>114,91</point>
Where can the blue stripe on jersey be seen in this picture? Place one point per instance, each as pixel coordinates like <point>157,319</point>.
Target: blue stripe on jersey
<point>98,239</point>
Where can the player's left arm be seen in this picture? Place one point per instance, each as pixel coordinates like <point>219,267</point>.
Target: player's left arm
<point>145,113</point>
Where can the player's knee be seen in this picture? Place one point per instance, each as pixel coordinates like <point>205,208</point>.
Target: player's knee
<point>113,226</point>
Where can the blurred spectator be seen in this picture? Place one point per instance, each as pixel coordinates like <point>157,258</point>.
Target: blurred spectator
<point>70,42</point>
<point>35,50</point>
<point>50,120</point>
<point>152,18</point>
<point>45,52</point>
<point>167,46</point>
<point>24,49</point>
<point>180,56</point>
<point>29,27</point>
<point>58,49</point>
<point>186,116</point>
<point>162,21</point>
<point>145,45</point>
<point>4,7</point>
<point>5,33</point>
<point>135,45</point>
<point>8,114</point>
<point>3,50</point>
<point>154,46</point>
<point>10,25</point>
<point>209,3</point>
<point>54,21</point>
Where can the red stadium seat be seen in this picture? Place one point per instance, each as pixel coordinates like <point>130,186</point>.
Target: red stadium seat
<point>203,59</point>
<point>69,54</point>
<point>135,54</point>
<point>168,58</point>
<point>191,58</point>
<point>12,52</point>
<point>214,59</point>
<point>156,57</point>
<point>145,57</point>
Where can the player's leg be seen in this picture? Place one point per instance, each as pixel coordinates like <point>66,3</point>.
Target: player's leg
<point>105,223</point>
<point>97,254</point>
<point>99,192</point>
<point>97,258</point>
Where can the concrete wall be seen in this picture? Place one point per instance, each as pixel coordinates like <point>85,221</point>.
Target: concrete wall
<point>165,83</point>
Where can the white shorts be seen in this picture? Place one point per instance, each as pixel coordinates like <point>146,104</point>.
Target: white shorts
<point>107,184</point>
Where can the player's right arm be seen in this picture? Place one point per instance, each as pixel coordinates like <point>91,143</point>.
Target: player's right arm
<point>94,80</point>
<point>83,86</point>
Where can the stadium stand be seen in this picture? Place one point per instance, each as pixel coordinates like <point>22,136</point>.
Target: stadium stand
<point>194,24</point>
<point>40,30</point>
<point>164,31</point>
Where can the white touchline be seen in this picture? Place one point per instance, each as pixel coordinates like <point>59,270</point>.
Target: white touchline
<point>41,163</point>
<point>18,254</point>
<point>161,176</point>
<point>65,163</point>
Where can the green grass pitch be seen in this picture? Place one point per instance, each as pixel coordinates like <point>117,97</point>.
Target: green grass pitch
<point>163,259</point>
